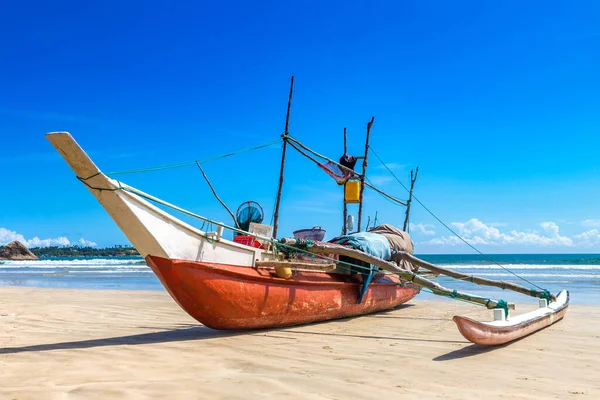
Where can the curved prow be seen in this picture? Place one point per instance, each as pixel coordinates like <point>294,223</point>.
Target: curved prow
<point>69,149</point>
<point>151,230</point>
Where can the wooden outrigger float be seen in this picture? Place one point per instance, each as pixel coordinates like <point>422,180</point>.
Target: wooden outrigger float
<point>517,327</point>
<point>227,285</point>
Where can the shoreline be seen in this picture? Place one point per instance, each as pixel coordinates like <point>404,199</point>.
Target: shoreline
<point>139,344</point>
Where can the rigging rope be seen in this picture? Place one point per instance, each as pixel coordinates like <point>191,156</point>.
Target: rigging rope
<point>450,229</point>
<point>193,162</point>
<point>367,183</point>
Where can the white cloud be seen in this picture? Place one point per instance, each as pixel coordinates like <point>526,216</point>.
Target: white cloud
<point>591,223</point>
<point>425,229</point>
<point>476,232</point>
<point>37,242</point>
<point>588,238</point>
<point>87,243</point>
<point>7,236</point>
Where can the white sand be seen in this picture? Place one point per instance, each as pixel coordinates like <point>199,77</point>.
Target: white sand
<point>79,344</point>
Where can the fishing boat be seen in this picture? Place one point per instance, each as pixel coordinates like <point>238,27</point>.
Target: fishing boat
<point>218,281</point>
<point>269,282</point>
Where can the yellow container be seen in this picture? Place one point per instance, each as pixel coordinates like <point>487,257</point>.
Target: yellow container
<point>352,192</point>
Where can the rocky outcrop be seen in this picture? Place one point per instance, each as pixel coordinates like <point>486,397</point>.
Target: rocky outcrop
<point>16,251</point>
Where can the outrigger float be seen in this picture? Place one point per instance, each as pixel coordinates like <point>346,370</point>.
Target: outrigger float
<point>265,282</point>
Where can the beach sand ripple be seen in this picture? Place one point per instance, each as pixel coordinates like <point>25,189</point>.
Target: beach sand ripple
<point>87,344</point>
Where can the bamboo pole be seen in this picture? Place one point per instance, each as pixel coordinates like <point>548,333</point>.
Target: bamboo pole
<point>330,248</point>
<point>344,227</point>
<point>410,195</point>
<point>217,196</point>
<point>364,171</point>
<point>473,279</point>
<point>285,136</point>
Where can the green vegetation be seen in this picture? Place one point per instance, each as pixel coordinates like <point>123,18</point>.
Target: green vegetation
<point>78,251</point>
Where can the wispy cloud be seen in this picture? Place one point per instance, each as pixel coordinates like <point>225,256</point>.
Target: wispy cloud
<point>7,236</point>
<point>424,229</point>
<point>591,223</point>
<point>392,166</point>
<point>379,180</point>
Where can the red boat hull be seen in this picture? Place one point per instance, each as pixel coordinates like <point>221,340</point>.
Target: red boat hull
<point>231,297</point>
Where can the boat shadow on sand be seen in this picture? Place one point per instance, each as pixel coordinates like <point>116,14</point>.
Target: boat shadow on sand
<point>183,333</point>
<point>187,332</point>
<point>469,351</point>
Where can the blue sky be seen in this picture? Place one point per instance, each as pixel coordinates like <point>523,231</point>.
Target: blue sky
<point>496,102</point>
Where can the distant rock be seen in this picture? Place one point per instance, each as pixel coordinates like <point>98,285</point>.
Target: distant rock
<point>16,251</point>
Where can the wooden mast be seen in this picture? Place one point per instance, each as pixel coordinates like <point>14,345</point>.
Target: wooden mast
<point>285,137</point>
<point>412,186</point>
<point>344,227</point>
<point>364,171</point>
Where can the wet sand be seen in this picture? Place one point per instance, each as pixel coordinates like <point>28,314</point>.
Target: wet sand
<point>80,344</point>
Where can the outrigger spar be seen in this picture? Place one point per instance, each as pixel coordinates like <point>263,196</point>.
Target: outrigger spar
<point>265,282</point>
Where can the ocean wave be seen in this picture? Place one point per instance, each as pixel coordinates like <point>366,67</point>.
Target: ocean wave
<point>82,263</point>
<point>67,271</point>
<point>522,266</point>
<point>577,276</point>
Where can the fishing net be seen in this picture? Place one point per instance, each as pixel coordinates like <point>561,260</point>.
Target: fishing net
<point>248,212</point>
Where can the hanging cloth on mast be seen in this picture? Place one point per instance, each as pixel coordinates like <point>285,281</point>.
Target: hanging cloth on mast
<point>341,175</point>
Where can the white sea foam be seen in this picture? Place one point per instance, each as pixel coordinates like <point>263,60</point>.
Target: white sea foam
<point>84,263</point>
<point>576,276</point>
<point>522,266</point>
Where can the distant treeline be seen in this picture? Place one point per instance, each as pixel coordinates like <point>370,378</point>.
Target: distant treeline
<point>72,251</point>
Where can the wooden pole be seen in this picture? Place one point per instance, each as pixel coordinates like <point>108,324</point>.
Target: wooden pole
<point>285,136</point>
<point>473,279</point>
<point>330,248</point>
<point>217,196</point>
<point>412,186</point>
<point>344,228</point>
<point>364,171</point>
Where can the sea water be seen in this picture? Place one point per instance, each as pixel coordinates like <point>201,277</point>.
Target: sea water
<point>578,273</point>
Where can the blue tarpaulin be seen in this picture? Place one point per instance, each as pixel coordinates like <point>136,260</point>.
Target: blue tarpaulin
<point>370,243</point>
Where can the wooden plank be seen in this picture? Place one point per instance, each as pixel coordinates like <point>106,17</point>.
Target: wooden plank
<point>295,265</point>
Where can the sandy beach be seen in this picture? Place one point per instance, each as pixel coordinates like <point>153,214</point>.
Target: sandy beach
<point>59,343</point>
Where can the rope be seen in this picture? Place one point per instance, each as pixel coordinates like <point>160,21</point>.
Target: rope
<point>193,162</point>
<point>503,304</point>
<point>450,229</point>
<point>343,168</point>
<point>368,183</point>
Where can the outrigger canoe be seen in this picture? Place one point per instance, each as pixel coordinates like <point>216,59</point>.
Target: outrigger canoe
<point>228,285</point>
